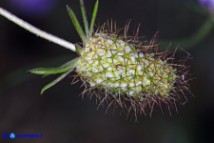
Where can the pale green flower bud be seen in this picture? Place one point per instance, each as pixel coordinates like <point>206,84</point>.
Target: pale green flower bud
<point>110,63</point>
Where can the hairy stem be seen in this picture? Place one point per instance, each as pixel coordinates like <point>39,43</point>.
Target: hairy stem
<point>37,31</point>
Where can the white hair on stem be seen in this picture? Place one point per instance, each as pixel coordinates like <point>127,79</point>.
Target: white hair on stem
<point>37,31</point>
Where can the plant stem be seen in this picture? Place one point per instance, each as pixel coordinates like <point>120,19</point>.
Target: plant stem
<point>37,31</point>
<point>200,35</point>
<point>196,38</point>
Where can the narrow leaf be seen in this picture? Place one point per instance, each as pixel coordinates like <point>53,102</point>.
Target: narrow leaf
<point>57,70</point>
<point>49,71</point>
<point>84,16</point>
<point>76,23</point>
<point>54,82</point>
<point>94,14</point>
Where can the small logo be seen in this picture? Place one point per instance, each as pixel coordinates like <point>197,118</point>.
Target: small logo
<point>12,135</point>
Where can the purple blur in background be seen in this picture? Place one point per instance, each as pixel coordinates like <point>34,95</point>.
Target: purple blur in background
<point>33,8</point>
<point>208,4</point>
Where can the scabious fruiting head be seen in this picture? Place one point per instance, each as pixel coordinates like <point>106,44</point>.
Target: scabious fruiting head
<point>114,65</point>
<point>129,74</point>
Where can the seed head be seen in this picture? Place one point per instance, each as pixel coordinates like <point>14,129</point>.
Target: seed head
<point>114,65</point>
<point>127,73</point>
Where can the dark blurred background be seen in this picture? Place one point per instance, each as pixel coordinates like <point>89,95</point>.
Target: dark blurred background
<point>60,114</point>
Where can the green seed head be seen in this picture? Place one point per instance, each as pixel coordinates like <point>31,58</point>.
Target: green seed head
<point>114,65</point>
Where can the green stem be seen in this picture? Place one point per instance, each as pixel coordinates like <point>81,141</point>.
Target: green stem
<point>196,38</point>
